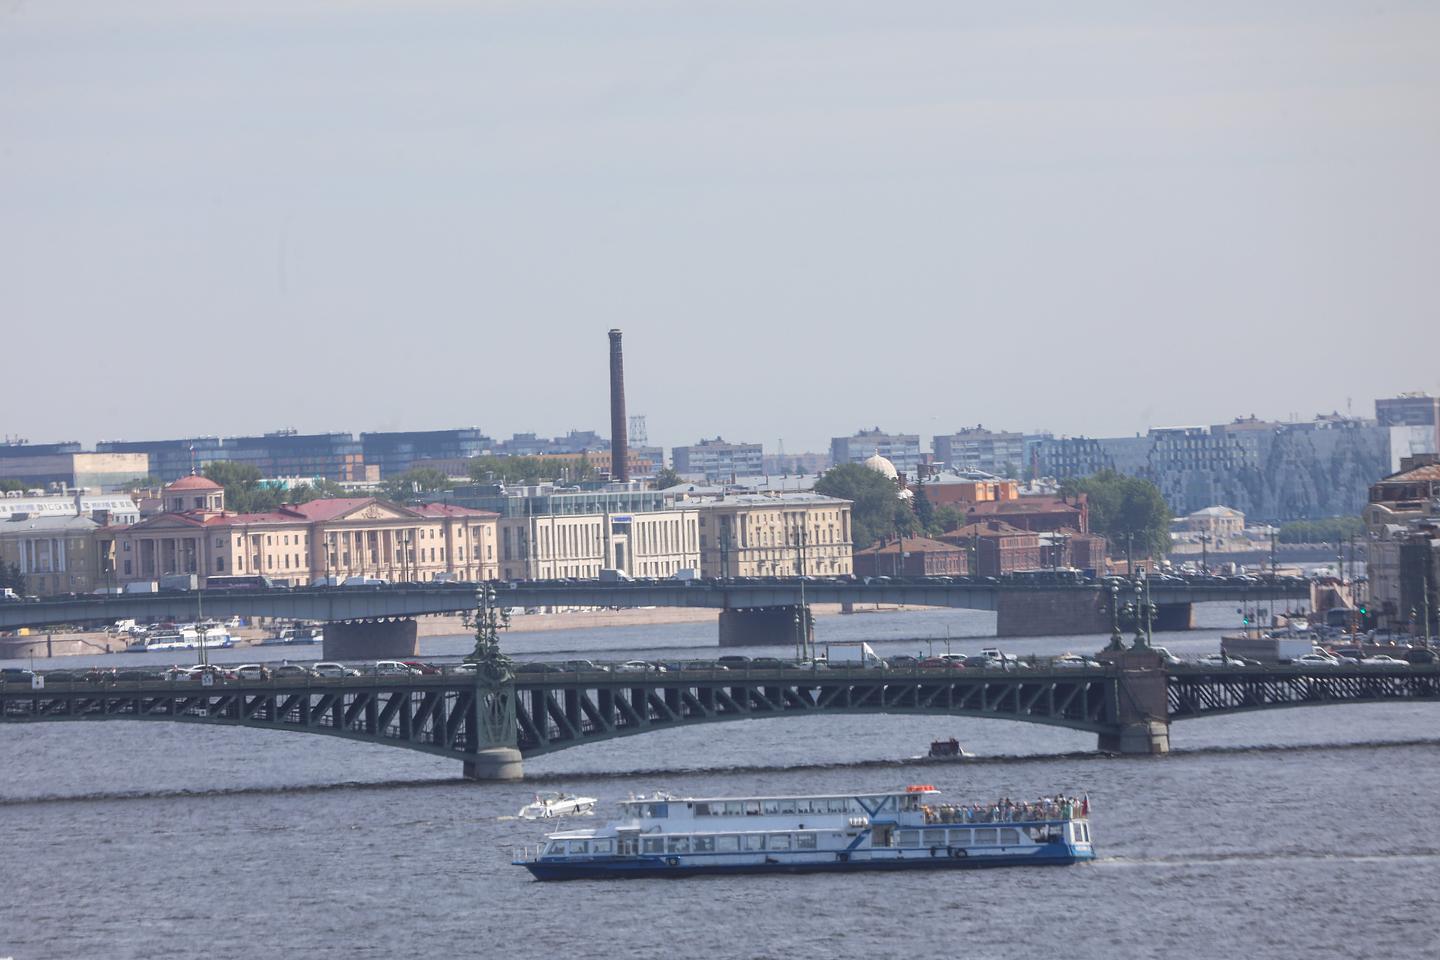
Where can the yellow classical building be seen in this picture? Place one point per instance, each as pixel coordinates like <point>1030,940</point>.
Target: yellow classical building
<point>303,543</point>
<point>775,535</point>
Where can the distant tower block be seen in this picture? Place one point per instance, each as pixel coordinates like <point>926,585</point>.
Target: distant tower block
<point>638,435</point>
<point>619,441</point>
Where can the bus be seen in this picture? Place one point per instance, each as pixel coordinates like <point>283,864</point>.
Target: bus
<point>238,583</point>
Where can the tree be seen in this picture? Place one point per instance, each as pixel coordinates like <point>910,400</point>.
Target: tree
<point>666,477</point>
<point>529,470</point>
<point>1328,530</point>
<point>10,576</point>
<point>924,509</point>
<point>243,492</point>
<point>416,482</point>
<point>1125,509</point>
<point>9,485</point>
<point>877,510</point>
<point>947,518</point>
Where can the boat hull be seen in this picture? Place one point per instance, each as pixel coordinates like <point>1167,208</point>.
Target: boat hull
<point>620,868</point>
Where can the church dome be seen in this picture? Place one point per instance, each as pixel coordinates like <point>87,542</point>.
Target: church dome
<point>882,466</point>
<point>193,482</point>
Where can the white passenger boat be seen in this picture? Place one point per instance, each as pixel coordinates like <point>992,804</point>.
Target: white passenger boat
<point>663,836</point>
<point>546,806</point>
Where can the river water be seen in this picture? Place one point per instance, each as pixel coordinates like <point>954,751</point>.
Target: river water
<point>1292,833</point>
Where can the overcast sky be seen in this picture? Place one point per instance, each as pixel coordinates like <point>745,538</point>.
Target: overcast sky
<point>807,217</point>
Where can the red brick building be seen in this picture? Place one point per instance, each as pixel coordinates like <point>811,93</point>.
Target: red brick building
<point>912,557</point>
<point>1035,513</point>
<point>999,548</point>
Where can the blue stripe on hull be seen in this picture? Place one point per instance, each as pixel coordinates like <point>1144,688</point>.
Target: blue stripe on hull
<point>621,869</point>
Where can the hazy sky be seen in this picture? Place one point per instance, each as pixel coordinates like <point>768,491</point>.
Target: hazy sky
<point>807,217</point>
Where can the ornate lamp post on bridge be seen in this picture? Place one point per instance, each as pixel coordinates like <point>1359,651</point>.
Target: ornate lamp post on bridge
<point>495,752</point>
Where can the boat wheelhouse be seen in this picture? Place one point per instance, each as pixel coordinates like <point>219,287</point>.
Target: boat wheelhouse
<point>664,836</point>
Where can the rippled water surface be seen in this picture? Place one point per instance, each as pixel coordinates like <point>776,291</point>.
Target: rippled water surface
<point>1292,833</point>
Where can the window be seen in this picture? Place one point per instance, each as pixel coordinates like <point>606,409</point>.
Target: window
<point>960,838</point>
<point>1009,836</point>
<point>734,808</point>
<point>554,848</point>
<point>579,846</point>
<point>778,841</point>
<point>805,841</point>
<point>771,806</point>
<point>754,841</point>
<point>652,845</point>
<point>677,844</point>
<point>602,846</point>
<point>933,838</point>
<point>984,835</point>
<point>839,804</point>
<point>729,843</point>
<point>907,838</point>
<point>704,845</point>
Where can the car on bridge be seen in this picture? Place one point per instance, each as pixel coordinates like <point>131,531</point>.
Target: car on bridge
<point>1073,661</point>
<point>329,668</point>
<point>252,671</point>
<point>292,671</point>
<point>392,668</point>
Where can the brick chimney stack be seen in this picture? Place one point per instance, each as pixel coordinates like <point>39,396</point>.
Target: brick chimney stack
<point>619,426</point>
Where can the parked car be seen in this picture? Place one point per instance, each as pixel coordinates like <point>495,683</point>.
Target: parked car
<point>420,667</point>
<point>329,668</point>
<point>1072,661</point>
<point>1219,660</point>
<point>291,671</point>
<point>1315,660</point>
<point>252,671</point>
<point>638,666</point>
<point>941,663</point>
<point>392,668</point>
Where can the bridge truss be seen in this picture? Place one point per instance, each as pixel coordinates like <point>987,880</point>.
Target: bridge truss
<point>1192,694</point>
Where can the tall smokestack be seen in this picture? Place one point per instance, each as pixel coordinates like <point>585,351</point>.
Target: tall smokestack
<point>619,439</point>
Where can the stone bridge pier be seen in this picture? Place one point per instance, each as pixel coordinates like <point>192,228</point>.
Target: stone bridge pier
<point>764,626</point>
<point>1050,613</point>
<point>370,640</point>
<point>1142,707</point>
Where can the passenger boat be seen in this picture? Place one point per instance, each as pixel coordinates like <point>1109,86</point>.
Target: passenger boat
<point>949,750</point>
<point>288,636</point>
<point>664,836</point>
<point>546,806</point>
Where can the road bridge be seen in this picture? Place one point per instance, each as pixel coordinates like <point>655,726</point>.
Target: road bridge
<point>759,612</point>
<point>1129,703</point>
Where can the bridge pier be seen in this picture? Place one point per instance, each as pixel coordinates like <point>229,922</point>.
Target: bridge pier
<point>764,626</point>
<point>370,640</point>
<point>1142,707</point>
<point>495,763</point>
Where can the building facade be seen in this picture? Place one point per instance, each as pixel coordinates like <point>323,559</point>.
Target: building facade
<point>55,554</point>
<point>657,543</point>
<point>775,535</point>
<point>912,557</point>
<point>329,539</point>
<point>1401,521</point>
<point>395,453</point>
<point>43,466</point>
<point>998,453</point>
<point>717,461</point>
<point>901,449</point>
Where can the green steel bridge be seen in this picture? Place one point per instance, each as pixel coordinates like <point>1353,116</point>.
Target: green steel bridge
<point>491,726</point>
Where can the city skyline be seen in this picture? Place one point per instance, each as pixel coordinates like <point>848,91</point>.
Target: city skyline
<point>1365,412</point>
<point>417,215</point>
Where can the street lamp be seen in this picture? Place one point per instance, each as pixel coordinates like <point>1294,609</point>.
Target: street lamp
<point>1117,639</point>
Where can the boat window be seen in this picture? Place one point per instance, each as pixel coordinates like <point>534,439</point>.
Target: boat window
<point>555,848</point>
<point>839,805</point>
<point>787,806</point>
<point>655,810</point>
<point>677,844</point>
<point>984,835</point>
<point>754,841</point>
<point>579,846</point>
<point>934,838</point>
<point>602,846</point>
<point>1084,832</point>
<point>727,844</point>
<point>1009,835</point>
<point>702,809</point>
<point>733,808</point>
<point>752,808</point>
<point>959,838</point>
<point>907,838</point>
<point>778,841</point>
<point>803,805</point>
<point>652,845</point>
<point>805,841</point>
<point>771,807</point>
<point>703,845</point>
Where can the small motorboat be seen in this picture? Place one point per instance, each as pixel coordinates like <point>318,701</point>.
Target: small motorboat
<point>948,750</point>
<point>547,806</point>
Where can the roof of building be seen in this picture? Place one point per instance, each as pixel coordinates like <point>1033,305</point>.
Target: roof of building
<point>986,528</point>
<point>911,545</point>
<point>1035,504</point>
<point>1217,512</point>
<point>50,524</point>
<point>763,500</point>
<point>193,482</point>
<point>451,510</point>
<point>333,507</point>
<point>1430,471</point>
